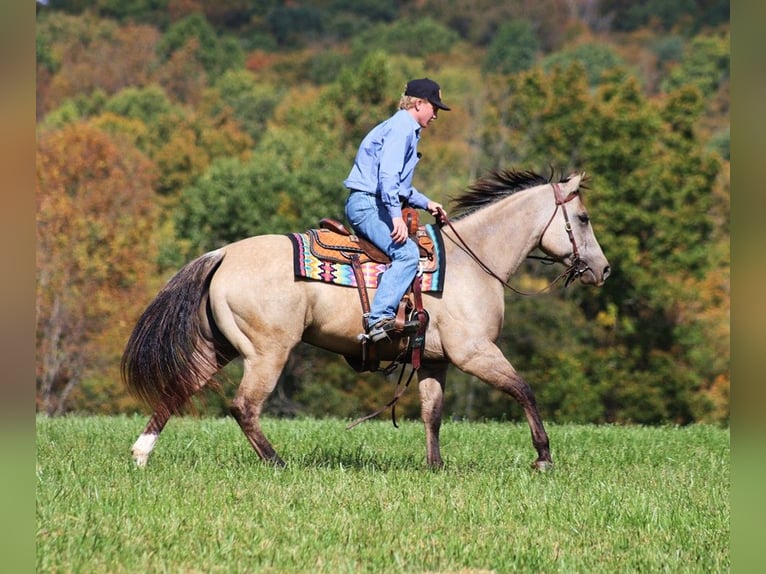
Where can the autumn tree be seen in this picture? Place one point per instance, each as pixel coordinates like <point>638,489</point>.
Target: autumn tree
<point>95,217</point>
<point>81,54</point>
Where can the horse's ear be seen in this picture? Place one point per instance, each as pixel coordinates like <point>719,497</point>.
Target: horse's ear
<point>572,183</point>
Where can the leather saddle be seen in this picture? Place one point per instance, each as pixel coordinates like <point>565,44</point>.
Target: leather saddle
<point>334,242</point>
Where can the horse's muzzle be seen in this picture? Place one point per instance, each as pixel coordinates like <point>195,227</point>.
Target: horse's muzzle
<point>579,269</point>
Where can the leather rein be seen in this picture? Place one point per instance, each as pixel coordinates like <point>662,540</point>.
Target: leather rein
<point>576,268</point>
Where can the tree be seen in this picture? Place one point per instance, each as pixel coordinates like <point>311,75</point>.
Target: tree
<point>595,58</point>
<point>252,102</point>
<point>195,35</point>
<point>627,15</point>
<point>655,209</point>
<point>513,49</point>
<point>182,143</point>
<point>705,64</point>
<point>81,54</point>
<point>417,37</point>
<point>95,217</point>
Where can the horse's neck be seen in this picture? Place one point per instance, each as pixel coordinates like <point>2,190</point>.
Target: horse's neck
<point>503,234</point>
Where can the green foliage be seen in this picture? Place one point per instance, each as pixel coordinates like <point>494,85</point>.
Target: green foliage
<point>627,15</point>
<point>220,207</point>
<point>66,113</point>
<point>417,38</point>
<point>373,10</point>
<point>653,218</point>
<point>44,53</point>
<point>363,96</point>
<point>721,143</point>
<point>705,64</point>
<point>513,49</point>
<point>325,66</point>
<point>287,185</point>
<point>216,55</point>
<point>181,144</point>
<point>290,24</point>
<point>252,102</point>
<point>593,57</point>
<point>146,104</point>
<point>134,10</point>
<point>150,11</point>
<point>669,49</point>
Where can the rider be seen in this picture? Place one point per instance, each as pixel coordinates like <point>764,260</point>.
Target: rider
<point>380,182</point>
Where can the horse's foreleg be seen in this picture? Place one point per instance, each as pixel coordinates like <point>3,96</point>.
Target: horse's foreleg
<point>431,380</point>
<point>492,367</point>
<point>258,381</point>
<point>144,445</point>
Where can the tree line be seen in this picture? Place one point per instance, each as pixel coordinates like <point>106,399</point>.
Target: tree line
<point>169,128</point>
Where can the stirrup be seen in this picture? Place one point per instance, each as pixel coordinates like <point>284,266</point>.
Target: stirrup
<point>380,330</point>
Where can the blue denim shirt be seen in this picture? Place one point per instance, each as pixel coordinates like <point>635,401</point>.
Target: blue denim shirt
<point>385,163</point>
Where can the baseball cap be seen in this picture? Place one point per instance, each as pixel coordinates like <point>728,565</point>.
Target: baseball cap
<point>426,89</point>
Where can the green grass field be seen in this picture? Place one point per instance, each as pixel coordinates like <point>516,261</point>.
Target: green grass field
<point>621,499</point>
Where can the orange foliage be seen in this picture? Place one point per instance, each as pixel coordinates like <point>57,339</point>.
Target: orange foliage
<point>183,76</point>
<point>95,218</point>
<point>111,60</point>
<point>260,60</point>
<point>180,9</point>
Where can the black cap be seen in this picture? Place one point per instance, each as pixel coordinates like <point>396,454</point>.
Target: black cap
<point>426,89</point>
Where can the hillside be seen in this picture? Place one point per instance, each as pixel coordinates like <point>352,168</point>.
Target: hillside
<point>170,127</point>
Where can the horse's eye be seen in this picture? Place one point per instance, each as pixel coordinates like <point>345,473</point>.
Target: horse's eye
<point>583,217</point>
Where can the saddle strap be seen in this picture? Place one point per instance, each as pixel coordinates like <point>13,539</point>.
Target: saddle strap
<point>417,342</point>
<point>356,267</point>
<point>369,354</point>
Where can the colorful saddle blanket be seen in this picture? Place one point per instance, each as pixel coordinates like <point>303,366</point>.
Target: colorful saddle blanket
<point>316,256</point>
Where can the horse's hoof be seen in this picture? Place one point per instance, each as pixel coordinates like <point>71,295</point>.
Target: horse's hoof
<point>276,462</point>
<point>543,465</point>
<point>142,448</point>
<point>140,458</point>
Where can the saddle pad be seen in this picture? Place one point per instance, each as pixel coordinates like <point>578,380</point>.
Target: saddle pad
<point>307,265</point>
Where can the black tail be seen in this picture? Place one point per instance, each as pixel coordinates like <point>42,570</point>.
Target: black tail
<point>166,356</point>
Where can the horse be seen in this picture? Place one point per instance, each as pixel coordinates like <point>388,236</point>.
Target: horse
<point>244,300</point>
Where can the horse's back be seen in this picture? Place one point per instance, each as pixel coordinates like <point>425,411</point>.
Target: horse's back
<point>253,291</point>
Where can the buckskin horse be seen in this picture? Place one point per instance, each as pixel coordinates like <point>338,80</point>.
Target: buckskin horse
<point>244,299</point>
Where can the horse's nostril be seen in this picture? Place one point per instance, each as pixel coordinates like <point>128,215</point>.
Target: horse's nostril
<point>607,271</point>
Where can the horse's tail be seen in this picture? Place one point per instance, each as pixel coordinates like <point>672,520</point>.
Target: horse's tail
<point>166,356</point>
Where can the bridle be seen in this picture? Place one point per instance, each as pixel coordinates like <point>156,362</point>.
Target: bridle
<point>577,266</point>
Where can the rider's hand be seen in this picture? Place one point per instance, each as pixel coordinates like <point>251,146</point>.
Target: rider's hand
<point>437,210</point>
<point>400,232</point>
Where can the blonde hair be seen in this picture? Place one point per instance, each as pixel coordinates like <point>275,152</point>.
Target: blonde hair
<point>408,102</point>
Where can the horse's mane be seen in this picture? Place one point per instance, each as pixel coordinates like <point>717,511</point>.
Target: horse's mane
<point>495,186</point>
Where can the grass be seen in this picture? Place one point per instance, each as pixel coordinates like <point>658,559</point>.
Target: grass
<point>621,499</point>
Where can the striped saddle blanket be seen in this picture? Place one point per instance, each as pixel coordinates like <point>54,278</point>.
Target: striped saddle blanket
<point>323,255</point>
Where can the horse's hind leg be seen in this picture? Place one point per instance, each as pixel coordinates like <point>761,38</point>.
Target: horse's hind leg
<point>144,445</point>
<point>258,381</point>
<point>146,441</point>
<point>431,379</point>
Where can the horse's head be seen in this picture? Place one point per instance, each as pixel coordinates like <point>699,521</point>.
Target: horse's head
<point>568,236</point>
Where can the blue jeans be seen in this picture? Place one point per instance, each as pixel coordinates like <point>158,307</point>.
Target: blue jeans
<point>370,219</point>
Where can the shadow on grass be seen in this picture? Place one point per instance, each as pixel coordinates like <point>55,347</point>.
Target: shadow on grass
<point>356,458</point>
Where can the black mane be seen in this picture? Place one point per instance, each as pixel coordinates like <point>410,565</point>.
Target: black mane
<point>495,186</point>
